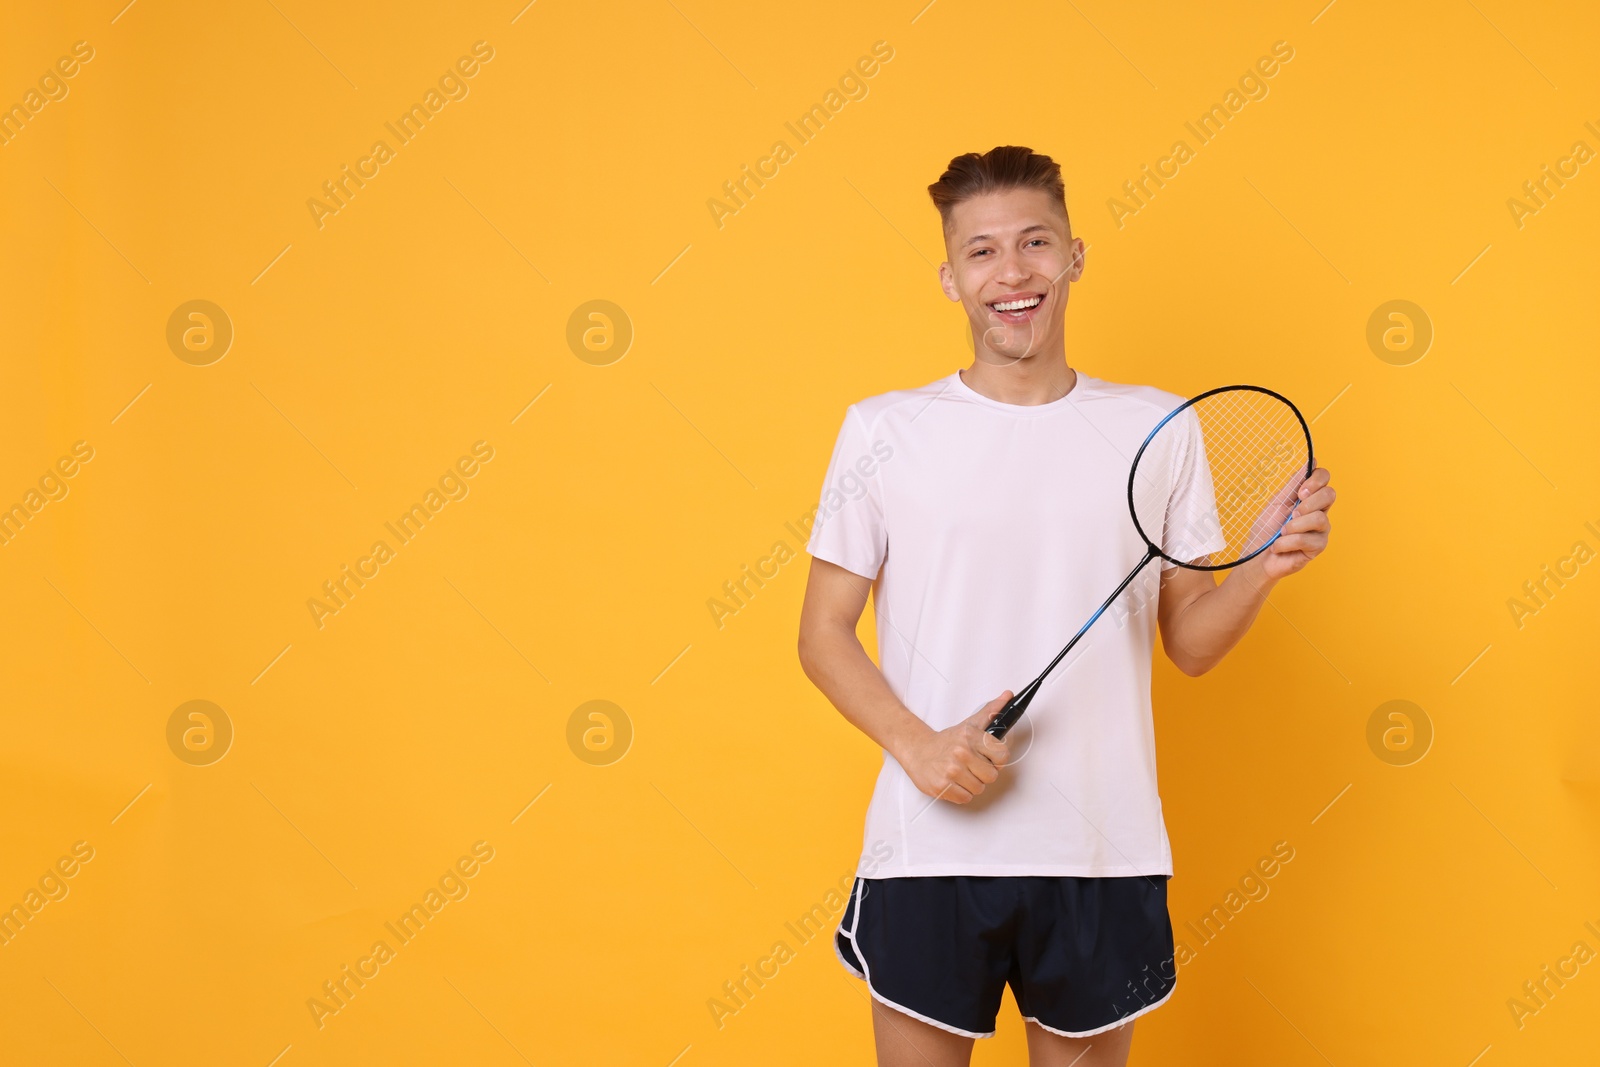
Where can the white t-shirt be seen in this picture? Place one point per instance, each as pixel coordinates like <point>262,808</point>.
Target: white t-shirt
<point>992,532</point>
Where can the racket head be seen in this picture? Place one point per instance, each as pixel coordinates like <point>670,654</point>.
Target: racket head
<point>1255,453</point>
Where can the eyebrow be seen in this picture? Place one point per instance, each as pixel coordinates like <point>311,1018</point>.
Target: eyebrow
<point>987,237</point>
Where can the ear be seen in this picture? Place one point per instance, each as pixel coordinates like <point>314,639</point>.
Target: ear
<point>1075,249</point>
<point>947,282</point>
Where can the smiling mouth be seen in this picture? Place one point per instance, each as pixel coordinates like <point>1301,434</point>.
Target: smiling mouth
<point>1019,308</point>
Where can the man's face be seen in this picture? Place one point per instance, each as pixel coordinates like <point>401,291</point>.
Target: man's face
<point>1004,248</point>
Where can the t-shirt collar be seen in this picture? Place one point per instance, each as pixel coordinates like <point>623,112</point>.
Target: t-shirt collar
<point>962,389</point>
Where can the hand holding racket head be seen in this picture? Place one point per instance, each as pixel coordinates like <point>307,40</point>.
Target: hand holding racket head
<point>1211,486</point>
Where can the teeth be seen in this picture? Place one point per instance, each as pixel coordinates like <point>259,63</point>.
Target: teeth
<point>1018,305</point>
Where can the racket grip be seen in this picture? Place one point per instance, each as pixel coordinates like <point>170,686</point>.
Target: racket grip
<point>1007,716</point>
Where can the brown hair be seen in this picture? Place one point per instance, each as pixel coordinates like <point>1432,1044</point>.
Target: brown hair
<point>1005,167</point>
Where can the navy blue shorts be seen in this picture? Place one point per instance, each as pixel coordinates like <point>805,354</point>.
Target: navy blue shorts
<point>1082,955</point>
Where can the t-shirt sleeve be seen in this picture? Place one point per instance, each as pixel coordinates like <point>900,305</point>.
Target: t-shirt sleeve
<point>1193,529</point>
<point>849,530</point>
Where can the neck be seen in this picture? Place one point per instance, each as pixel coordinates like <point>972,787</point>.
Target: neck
<point>1026,382</point>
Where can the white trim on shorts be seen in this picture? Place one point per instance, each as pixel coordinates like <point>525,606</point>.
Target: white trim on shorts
<point>1110,1026</point>
<point>847,966</point>
<point>850,935</point>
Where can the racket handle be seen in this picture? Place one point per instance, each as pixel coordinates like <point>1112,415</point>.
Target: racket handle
<point>1007,717</point>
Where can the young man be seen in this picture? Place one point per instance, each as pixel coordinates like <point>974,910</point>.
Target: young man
<point>987,513</point>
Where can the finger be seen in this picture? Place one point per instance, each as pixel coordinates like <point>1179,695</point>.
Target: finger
<point>1318,479</point>
<point>1295,541</point>
<point>1321,500</point>
<point>994,750</point>
<point>967,780</point>
<point>1316,520</point>
<point>954,794</point>
<point>1309,543</point>
<point>982,769</point>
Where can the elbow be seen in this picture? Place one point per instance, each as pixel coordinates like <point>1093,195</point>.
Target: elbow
<point>806,649</point>
<point>1188,660</point>
<point>1190,665</point>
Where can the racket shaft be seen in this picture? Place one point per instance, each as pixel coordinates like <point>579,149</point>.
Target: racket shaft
<point>1008,715</point>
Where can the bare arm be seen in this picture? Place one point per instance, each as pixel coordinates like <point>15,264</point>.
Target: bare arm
<point>953,764</point>
<point>1201,620</point>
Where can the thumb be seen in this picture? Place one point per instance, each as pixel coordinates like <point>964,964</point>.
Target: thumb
<point>984,715</point>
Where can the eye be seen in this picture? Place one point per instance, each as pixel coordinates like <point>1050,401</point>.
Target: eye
<point>1040,240</point>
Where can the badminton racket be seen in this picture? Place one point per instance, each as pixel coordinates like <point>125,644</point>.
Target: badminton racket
<point>1211,486</point>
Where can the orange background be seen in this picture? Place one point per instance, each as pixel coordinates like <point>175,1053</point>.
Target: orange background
<point>430,712</point>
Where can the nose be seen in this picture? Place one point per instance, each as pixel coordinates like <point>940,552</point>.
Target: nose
<point>1012,271</point>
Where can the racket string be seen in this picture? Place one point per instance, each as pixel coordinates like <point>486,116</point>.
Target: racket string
<point>1252,455</point>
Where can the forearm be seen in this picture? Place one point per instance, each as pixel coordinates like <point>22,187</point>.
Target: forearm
<point>1208,628</point>
<point>834,660</point>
